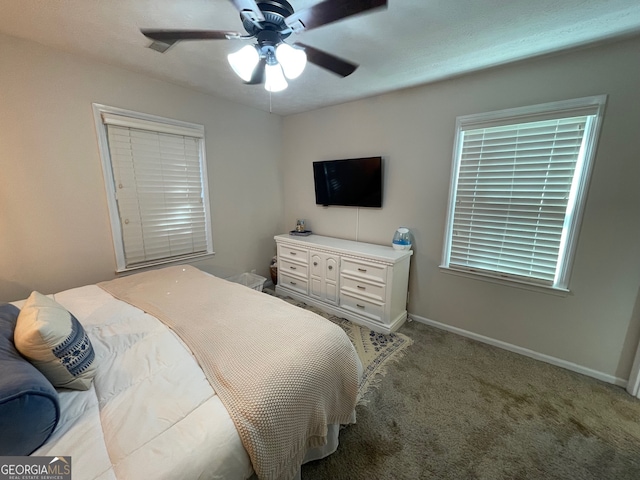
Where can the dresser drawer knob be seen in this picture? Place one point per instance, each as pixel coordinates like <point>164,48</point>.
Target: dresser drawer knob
<point>292,268</point>
<point>362,269</point>
<point>330,267</point>
<point>359,306</point>
<point>293,283</point>
<point>361,287</point>
<point>315,264</point>
<point>292,253</point>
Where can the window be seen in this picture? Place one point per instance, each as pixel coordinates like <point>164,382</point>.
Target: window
<point>156,182</point>
<point>518,187</point>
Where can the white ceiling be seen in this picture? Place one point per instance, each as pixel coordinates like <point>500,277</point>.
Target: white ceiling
<point>412,42</point>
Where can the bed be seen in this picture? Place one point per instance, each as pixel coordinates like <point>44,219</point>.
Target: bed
<point>197,377</point>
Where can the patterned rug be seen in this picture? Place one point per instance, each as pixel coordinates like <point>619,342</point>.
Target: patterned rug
<point>375,350</point>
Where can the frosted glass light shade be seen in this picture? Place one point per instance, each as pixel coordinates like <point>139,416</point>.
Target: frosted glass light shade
<point>293,60</point>
<point>274,78</point>
<point>244,61</point>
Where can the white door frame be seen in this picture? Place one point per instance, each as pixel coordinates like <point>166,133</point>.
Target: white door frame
<point>633,386</point>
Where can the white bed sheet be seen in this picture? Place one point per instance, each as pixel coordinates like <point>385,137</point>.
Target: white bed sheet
<point>150,412</point>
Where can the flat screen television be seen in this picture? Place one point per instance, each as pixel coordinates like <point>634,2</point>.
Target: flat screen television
<point>354,182</point>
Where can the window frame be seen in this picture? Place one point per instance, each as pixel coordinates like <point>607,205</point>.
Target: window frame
<point>593,105</point>
<point>163,125</point>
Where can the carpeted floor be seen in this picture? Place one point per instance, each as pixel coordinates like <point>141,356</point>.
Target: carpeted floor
<point>453,408</point>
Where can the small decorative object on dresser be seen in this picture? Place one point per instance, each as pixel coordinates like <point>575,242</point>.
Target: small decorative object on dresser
<point>362,282</point>
<point>300,229</point>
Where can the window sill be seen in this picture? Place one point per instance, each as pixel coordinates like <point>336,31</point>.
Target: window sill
<point>174,261</point>
<point>559,292</point>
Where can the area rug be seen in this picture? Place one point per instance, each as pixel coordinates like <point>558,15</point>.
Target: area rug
<point>375,350</point>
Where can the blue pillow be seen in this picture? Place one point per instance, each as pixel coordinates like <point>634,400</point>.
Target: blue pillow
<point>29,406</point>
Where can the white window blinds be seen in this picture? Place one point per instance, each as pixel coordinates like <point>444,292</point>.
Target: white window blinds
<point>159,189</point>
<point>515,193</point>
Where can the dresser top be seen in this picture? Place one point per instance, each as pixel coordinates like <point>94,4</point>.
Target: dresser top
<point>380,252</point>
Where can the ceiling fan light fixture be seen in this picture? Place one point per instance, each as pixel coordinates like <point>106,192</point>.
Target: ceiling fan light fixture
<point>293,60</point>
<point>274,78</point>
<point>244,61</point>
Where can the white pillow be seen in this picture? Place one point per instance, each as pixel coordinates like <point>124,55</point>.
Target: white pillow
<point>55,343</point>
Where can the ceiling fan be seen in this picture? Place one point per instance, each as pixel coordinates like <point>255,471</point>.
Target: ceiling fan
<point>270,22</point>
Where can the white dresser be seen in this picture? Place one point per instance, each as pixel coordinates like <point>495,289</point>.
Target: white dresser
<point>362,282</point>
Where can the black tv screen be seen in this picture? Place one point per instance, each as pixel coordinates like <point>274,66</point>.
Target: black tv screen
<point>354,182</point>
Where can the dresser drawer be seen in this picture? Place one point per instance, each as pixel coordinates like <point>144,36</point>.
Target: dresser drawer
<point>293,283</point>
<point>366,270</point>
<point>367,308</point>
<point>363,288</point>
<point>287,266</point>
<point>287,252</point>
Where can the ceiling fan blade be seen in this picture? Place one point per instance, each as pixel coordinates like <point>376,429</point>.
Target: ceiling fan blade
<point>173,36</point>
<point>249,9</point>
<point>258,74</point>
<point>328,61</point>
<point>164,39</point>
<point>329,11</point>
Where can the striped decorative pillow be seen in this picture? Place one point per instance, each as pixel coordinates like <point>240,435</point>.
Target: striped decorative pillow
<point>55,342</point>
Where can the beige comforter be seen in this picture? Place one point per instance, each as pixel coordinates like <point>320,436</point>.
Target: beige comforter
<point>282,372</point>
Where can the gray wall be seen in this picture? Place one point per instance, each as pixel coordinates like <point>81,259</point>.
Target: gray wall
<point>594,326</point>
<point>54,223</point>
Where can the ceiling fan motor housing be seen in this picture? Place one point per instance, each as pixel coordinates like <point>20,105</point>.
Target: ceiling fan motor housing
<point>274,12</point>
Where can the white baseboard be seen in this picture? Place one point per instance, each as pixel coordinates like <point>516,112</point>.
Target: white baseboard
<point>621,382</point>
